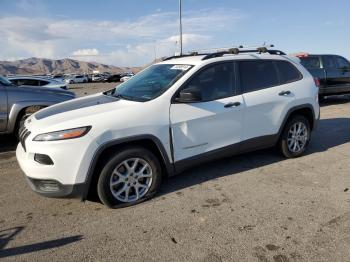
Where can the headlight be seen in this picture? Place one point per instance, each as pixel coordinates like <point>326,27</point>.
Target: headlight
<point>63,134</point>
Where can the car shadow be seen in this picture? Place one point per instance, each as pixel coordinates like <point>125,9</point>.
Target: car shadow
<point>334,100</point>
<point>8,143</point>
<point>9,234</point>
<point>330,133</point>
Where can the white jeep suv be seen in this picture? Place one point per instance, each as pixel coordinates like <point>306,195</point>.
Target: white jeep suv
<point>172,115</point>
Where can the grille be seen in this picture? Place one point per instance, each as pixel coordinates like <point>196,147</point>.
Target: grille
<point>24,133</point>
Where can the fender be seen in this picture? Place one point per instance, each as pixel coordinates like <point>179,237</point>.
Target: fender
<point>165,158</point>
<point>17,107</point>
<point>292,110</point>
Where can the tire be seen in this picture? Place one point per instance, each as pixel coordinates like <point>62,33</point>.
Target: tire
<point>126,180</point>
<point>291,143</point>
<point>71,82</point>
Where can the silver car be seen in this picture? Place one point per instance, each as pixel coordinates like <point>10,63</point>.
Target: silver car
<point>37,81</point>
<point>19,102</point>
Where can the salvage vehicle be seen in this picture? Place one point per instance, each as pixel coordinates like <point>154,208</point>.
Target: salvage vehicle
<point>180,112</point>
<point>333,72</point>
<point>18,102</point>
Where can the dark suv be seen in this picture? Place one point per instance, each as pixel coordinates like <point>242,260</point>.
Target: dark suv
<point>333,71</point>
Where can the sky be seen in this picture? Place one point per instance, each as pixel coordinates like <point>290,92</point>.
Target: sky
<point>134,32</point>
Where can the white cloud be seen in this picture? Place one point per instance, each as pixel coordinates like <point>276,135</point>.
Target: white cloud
<point>86,52</point>
<point>116,42</point>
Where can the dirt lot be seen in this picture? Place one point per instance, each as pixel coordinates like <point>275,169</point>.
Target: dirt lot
<point>253,207</point>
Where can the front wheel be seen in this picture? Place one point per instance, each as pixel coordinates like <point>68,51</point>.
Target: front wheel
<point>295,137</point>
<point>129,177</point>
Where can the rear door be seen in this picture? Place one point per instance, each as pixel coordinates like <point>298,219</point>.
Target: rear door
<point>268,92</point>
<point>3,107</point>
<point>213,123</point>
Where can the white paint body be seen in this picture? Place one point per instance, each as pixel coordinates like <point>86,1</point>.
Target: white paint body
<point>196,127</point>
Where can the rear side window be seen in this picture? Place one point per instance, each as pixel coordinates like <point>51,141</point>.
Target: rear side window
<point>329,62</point>
<point>28,82</point>
<point>288,73</point>
<point>43,83</point>
<point>257,74</point>
<point>311,62</point>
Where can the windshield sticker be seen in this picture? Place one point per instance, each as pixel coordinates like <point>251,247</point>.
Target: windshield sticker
<point>180,67</point>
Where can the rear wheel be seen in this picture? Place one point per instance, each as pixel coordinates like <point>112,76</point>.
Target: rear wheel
<point>295,137</point>
<point>131,176</point>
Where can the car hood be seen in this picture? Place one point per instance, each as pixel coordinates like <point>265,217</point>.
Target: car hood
<point>77,110</point>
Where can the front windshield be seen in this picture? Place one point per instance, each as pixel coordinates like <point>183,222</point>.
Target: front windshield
<point>150,83</point>
<point>5,82</point>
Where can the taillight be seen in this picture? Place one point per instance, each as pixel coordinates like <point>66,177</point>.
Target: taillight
<point>317,82</point>
<point>302,55</point>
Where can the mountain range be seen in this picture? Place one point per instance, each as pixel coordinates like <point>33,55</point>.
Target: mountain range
<point>43,66</point>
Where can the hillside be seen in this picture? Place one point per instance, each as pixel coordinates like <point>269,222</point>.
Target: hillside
<point>33,66</point>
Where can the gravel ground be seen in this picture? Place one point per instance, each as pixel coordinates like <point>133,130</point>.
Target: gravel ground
<point>253,207</point>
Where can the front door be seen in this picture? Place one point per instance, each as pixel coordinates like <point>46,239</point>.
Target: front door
<point>214,122</point>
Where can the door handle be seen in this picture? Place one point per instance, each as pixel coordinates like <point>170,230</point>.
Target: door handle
<point>285,93</point>
<point>232,104</point>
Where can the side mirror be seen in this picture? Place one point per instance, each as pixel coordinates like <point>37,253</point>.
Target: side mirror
<point>188,95</point>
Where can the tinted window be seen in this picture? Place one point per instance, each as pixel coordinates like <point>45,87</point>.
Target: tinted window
<point>214,82</point>
<point>28,82</point>
<point>310,62</point>
<point>342,62</point>
<point>257,74</point>
<point>328,62</point>
<point>288,73</point>
<point>42,83</point>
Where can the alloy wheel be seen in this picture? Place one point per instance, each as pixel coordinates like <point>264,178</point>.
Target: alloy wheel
<point>131,180</point>
<point>297,137</point>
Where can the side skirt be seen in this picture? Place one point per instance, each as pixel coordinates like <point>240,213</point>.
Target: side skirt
<point>242,147</point>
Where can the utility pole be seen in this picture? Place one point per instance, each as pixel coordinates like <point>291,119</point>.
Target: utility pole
<point>180,24</point>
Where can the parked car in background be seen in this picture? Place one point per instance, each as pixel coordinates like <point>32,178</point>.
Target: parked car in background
<point>97,78</point>
<point>126,77</point>
<point>172,115</point>
<point>19,102</point>
<point>333,72</point>
<point>58,77</point>
<point>37,81</point>
<point>74,79</point>
<point>114,78</point>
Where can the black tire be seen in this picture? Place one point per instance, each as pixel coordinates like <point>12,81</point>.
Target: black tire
<point>103,185</point>
<point>283,143</point>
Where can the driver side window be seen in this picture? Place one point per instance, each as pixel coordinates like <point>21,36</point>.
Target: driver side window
<point>214,82</point>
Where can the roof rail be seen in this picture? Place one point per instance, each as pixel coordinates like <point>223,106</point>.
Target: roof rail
<point>237,51</point>
<point>232,51</point>
<point>179,56</point>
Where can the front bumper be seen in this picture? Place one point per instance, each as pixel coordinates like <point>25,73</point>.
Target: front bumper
<point>66,177</point>
<point>54,189</point>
